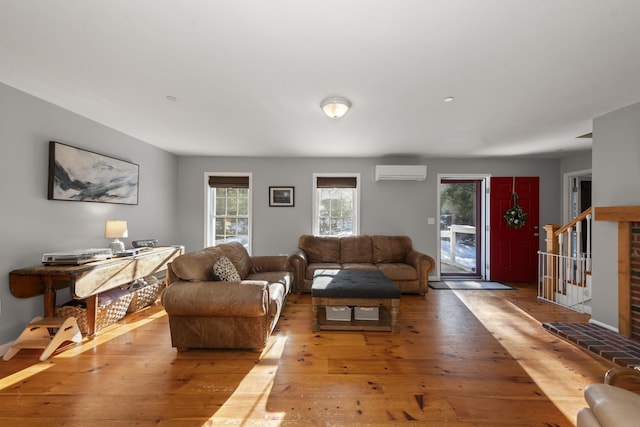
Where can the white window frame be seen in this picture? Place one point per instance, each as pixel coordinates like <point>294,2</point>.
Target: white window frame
<point>316,201</point>
<point>209,234</point>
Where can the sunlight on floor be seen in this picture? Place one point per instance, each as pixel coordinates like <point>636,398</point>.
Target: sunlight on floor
<point>24,374</point>
<point>542,368</point>
<point>72,350</point>
<point>253,392</point>
<point>109,333</point>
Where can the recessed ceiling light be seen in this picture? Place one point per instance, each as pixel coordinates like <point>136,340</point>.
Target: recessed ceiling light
<point>171,98</point>
<point>448,99</point>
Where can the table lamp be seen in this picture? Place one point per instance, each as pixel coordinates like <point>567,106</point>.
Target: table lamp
<point>114,230</point>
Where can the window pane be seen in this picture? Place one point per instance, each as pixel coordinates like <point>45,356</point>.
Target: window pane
<point>324,226</point>
<point>243,226</point>
<point>221,203</point>
<point>347,205</point>
<point>243,205</point>
<point>325,207</point>
<point>335,208</point>
<point>230,227</point>
<point>232,201</point>
<point>219,226</point>
<point>348,225</point>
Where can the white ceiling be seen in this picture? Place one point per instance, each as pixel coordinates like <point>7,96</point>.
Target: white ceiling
<point>528,77</point>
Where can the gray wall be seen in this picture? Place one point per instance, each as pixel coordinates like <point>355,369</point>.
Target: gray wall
<point>578,161</point>
<point>32,225</point>
<point>616,174</point>
<point>386,207</point>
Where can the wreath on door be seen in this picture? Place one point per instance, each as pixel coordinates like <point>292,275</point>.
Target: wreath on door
<point>515,216</point>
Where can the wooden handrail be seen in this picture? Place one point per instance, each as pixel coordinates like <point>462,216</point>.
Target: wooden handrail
<point>573,222</point>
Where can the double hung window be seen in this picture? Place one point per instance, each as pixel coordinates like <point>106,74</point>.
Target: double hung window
<point>229,210</point>
<point>336,204</point>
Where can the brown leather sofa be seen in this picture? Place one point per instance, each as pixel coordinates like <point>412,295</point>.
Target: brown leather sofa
<point>206,312</point>
<point>393,255</point>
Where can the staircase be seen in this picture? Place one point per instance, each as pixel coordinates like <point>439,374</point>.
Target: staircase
<point>564,269</point>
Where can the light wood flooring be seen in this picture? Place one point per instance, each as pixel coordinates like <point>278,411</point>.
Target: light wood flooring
<point>462,358</point>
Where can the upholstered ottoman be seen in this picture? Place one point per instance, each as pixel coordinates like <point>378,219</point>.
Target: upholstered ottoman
<point>355,288</point>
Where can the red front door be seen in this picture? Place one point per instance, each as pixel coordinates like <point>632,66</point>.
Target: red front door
<point>513,252</point>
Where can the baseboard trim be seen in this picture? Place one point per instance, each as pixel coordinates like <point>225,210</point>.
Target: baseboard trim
<point>604,325</point>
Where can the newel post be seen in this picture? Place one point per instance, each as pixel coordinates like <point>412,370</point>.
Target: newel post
<point>550,277</point>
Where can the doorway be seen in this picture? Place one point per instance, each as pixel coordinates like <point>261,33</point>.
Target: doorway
<point>577,200</point>
<point>461,234</point>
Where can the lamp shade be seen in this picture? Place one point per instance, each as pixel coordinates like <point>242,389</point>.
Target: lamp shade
<point>335,107</point>
<point>115,229</point>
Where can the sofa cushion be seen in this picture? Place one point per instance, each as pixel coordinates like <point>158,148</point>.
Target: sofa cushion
<point>398,271</point>
<point>390,248</point>
<point>282,277</point>
<point>359,266</point>
<point>196,266</point>
<point>277,297</point>
<point>239,256</point>
<point>320,249</point>
<point>224,270</point>
<point>355,249</point>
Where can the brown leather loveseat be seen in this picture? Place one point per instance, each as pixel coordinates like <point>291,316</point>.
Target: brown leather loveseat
<point>393,255</point>
<point>220,297</point>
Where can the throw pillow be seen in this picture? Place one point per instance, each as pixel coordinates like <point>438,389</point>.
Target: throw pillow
<point>224,270</point>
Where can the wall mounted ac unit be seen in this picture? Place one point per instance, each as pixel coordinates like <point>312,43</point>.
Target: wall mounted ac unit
<point>400,172</point>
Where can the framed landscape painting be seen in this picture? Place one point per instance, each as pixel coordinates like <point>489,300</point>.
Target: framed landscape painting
<point>84,176</point>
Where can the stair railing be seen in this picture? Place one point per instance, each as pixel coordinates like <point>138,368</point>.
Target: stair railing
<point>565,268</point>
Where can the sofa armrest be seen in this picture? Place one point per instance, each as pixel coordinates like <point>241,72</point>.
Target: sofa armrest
<point>263,264</point>
<point>420,261</point>
<point>297,266</point>
<point>223,299</point>
<point>424,264</point>
<point>171,275</point>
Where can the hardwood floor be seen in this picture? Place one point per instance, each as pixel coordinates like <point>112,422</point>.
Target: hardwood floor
<point>462,358</point>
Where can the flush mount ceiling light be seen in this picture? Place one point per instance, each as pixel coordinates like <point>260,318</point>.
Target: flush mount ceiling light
<point>335,106</point>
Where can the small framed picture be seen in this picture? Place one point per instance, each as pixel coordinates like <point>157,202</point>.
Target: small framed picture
<point>281,196</point>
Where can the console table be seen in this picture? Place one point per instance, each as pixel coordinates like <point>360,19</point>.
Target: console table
<point>86,281</point>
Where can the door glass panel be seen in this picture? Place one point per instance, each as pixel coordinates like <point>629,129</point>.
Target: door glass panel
<point>459,234</point>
